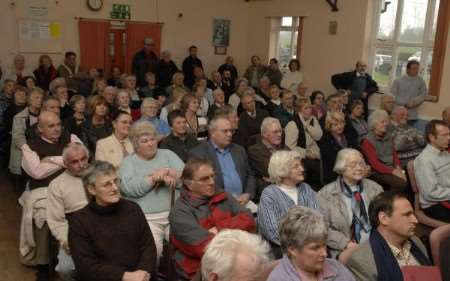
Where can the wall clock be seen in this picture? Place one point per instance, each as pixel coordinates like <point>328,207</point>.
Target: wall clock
<point>94,5</point>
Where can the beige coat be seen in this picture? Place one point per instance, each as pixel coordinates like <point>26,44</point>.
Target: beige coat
<point>65,195</point>
<point>336,214</point>
<point>362,262</point>
<point>110,150</point>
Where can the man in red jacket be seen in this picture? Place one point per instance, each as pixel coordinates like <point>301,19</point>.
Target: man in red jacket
<point>199,214</point>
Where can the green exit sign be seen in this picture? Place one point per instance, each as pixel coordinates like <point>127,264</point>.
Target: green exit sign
<point>121,11</point>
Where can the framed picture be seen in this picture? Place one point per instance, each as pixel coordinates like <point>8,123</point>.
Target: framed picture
<point>221,32</point>
<point>220,50</point>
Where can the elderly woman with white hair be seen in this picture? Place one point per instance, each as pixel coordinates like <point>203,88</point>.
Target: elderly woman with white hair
<point>379,150</point>
<point>237,254</point>
<point>345,203</point>
<point>149,178</point>
<point>289,190</point>
<point>303,236</point>
<point>149,113</point>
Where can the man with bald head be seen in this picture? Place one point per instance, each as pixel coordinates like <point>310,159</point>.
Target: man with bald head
<point>358,82</point>
<point>42,161</point>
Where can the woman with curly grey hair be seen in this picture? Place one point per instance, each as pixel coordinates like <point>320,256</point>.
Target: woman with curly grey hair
<point>287,173</point>
<point>303,236</point>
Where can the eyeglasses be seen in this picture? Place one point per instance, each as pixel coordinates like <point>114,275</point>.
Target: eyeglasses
<point>205,178</point>
<point>109,184</point>
<point>354,165</point>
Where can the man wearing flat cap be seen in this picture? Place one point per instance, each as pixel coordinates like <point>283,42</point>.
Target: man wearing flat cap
<point>144,61</point>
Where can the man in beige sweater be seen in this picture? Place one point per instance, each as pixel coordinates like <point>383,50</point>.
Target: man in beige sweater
<point>66,195</point>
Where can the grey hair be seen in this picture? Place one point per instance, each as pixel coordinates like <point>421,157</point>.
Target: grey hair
<point>167,52</point>
<point>397,109</point>
<point>95,169</point>
<point>74,146</point>
<point>57,82</point>
<point>341,159</point>
<point>281,163</point>
<point>300,226</point>
<point>248,93</point>
<point>111,88</point>
<point>140,129</point>
<point>376,117</point>
<point>264,77</point>
<point>217,91</point>
<point>220,254</point>
<point>268,122</point>
<point>149,100</point>
<point>213,123</point>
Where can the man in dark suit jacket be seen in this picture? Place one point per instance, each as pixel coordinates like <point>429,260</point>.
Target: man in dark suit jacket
<point>189,63</point>
<point>358,82</point>
<point>391,244</point>
<point>250,119</point>
<point>233,172</point>
<point>259,154</point>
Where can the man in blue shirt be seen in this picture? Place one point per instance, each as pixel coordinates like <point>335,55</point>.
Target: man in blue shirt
<point>233,173</point>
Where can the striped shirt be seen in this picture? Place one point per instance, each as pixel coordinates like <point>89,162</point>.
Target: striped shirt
<point>275,203</point>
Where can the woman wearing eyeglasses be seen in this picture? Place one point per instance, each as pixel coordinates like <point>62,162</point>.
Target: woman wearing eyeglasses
<point>150,177</point>
<point>345,203</point>
<point>109,239</point>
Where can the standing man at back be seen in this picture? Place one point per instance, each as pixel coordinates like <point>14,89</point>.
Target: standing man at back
<point>189,63</point>
<point>358,82</point>
<point>144,61</point>
<point>410,91</point>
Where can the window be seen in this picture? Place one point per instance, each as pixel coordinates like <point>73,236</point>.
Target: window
<point>405,30</point>
<point>284,40</point>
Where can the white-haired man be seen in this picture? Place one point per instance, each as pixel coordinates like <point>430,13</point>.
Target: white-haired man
<point>259,154</point>
<point>408,141</point>
<point>66,195</point>
<point>236,255</point>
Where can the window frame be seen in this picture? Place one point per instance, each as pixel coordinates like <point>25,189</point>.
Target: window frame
<point>293,29</point>
<point>437,46</point>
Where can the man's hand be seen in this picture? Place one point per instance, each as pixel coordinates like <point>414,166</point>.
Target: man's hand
<point>65,246</point>
<point>138,275</point>
<point>243,198</point>
<point>213,230</point>
<point>399,173</point>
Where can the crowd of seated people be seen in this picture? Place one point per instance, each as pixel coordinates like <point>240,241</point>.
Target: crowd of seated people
<point>112,170</point>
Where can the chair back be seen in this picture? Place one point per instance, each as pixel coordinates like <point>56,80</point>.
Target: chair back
<point>436,237</point>
<point>421,273</point>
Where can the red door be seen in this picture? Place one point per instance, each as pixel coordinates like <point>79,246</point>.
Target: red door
<point>117,48</point>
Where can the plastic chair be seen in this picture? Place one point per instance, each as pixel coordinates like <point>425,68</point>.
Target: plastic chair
<point>436,237</point>
<point>420,214</point>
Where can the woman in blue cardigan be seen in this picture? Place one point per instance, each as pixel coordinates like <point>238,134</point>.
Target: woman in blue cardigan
<point>287,173</point>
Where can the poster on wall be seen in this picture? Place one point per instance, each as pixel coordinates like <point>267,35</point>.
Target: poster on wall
<point>37,36</point>
<point>221,32</point>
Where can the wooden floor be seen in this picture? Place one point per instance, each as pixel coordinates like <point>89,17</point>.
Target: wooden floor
<point>10,213</point>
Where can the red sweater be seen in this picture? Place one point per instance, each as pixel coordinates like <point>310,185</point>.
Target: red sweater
<point>371,155</point>
<point>190,220</point>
